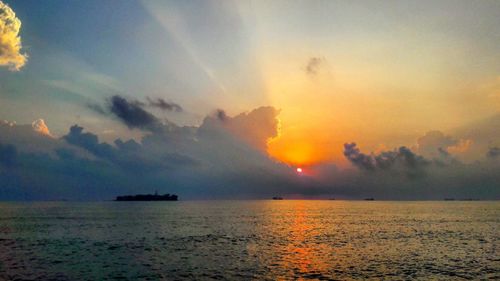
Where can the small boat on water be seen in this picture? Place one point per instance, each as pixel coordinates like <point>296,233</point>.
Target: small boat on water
<point>370,199</point>
<point>277,198</point>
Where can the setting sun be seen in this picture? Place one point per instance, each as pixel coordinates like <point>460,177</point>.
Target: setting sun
<point>297,137</point>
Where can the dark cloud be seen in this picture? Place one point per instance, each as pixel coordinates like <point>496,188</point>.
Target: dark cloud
<point>314,65</point>
<point>402,158</point>
<point>221,114</point>
<point>133,115</point>
<point>403,174</point>
<point>360,160</point>
<point>64,176</point>
<point>130,145</point>
<point>65,154</point>
<point>8,155</point>
<point>164,105</point>
<point>225,157</point>
<point>127,154</point>
<point>215,160</point>
<point>410,159</point>
<point>89,142</point>
<point>493,152</point>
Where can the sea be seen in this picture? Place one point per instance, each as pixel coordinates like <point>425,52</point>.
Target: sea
<point>250,240</point>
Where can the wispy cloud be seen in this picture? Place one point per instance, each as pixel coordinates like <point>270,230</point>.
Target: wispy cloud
<point>164,105</point>
<point>314,65</point>
<point>133,115</point>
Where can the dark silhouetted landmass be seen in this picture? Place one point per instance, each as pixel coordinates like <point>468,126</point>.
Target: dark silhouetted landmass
<point>147,197</point>
<point>277,198</point>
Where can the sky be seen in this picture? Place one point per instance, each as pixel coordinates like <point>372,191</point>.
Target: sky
<point>221,99</point>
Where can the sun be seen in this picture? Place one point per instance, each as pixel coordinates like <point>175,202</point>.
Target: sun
<point>299,170</point>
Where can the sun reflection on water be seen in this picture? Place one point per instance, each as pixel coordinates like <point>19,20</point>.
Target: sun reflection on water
<point>300,254</point>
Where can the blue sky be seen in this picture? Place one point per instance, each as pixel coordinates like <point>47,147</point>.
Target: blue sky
<point>122,43</point>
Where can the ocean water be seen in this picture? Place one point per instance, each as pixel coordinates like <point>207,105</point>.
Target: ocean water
<point>250,240</point>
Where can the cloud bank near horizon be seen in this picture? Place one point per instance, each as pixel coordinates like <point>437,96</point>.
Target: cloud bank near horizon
<point>224,157</point>
<point>220,158</point>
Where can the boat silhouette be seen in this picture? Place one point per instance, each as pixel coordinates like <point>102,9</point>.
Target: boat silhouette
<point>147,197</point>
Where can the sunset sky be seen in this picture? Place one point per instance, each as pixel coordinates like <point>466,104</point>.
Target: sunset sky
<point>225,98</point>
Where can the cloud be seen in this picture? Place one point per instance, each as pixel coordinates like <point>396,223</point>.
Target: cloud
<point>360,160</point>
<point>130,145</point>
<point>436,145</point>
<point>209,161</point>
<point>403,174</point>
<point>255,128</point>
<point>7,123</point>
<point>481,134</point>
<point>10,41</point>
<point>462,146</point>
<point>314,65</point>
<point>225,157</point>
<point>221,114</point>
<point>40,127</point>
<point>127,155</point>
<point>164,105</point>
<point>493,152</point>
<point>401,158</point>
<point>133,115</point>
<point>97,108</point>
<point>89,142</point>
<point>27,139</point>
<point>432,141</point>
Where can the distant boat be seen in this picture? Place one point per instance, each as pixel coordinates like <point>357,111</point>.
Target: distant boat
<point>370,199</point>
<point>277,198</point>
<point>147,197</point>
